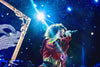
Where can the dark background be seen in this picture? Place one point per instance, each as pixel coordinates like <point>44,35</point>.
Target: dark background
<point>84,17</point>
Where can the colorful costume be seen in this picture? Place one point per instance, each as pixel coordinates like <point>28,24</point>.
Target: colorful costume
<point>52,55</point>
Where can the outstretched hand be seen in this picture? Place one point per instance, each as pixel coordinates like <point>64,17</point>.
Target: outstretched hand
<point>67,33</point>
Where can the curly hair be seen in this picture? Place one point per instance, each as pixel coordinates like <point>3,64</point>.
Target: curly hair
<point>53,29</point>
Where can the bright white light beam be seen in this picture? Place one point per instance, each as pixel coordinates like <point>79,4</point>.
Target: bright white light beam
<point>69,9</point>
<point>34,5</point>
<point>40,16</point>
<point>48,15</point>
<point>92,33</point>
<point>96,1</point>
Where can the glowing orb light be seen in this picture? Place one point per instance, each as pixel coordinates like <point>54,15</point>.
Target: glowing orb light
<point>69,9</point>
<point>96,1</point>
<point>40,16</point>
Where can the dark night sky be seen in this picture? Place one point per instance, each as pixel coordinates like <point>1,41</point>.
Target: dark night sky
<point>84,17</point>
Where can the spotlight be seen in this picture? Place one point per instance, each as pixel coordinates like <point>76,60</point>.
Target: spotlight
<point>40,16</point>
<point>92,33</point>
<point>69,9</point>
<point>48,15</point>
<point>7,13</point>
<point>96,1</point>
<point>2,15</point>
<point>94,26</point>
<point>21,52</point>
<point>26,48</point>
<point>42,5</point>
<point>34,5</point>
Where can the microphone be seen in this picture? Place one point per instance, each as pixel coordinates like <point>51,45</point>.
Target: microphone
<point>69,32</point>
<point>74,31</point>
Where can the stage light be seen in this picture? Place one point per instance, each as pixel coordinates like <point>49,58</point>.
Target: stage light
<point>29,40</point>
<point>26,48</point>
<point>42,5</point>
<point>2,15</point>
<point>34,5</point>
<point>48,15</point>
<point>69,9</point>
<point>92,33</point>
<point>7,13</point>
<point>94,26</point>
<point>21,52</point>
<point>96,1</point>
<point>40,16</point>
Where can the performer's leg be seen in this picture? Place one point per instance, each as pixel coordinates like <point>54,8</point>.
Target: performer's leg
<point>64,62</point>
<point>43,65</point>
<point>46,64</point>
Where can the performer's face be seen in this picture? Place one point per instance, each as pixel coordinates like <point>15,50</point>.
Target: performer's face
<point>62,32</point>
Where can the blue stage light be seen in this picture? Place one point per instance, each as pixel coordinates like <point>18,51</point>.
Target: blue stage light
<point>96,1</point>
<point>69,9</point>
<point>34,5</point>
<point>40,16</point>
<point>94,26</point>
<point>48,15</point>
<point>42,5</point>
